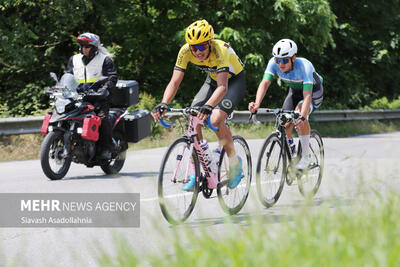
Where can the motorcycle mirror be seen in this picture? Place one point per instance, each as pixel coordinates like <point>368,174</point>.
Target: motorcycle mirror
<point>54,76</point>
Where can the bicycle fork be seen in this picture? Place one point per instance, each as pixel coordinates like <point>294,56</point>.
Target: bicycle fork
<point>179,158</point>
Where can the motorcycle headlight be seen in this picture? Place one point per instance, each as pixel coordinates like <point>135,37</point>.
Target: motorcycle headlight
<point>61,104</point>
<point>60,109</point>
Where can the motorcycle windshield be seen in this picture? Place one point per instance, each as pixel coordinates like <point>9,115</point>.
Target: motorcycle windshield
<point>68,82</point>
<point>65,88</point>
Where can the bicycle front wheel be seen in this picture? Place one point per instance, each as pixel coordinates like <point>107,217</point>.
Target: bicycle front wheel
<point>175,203</point>
<point>233,199</point>
<point>271,170</point>
<point>310,180</point>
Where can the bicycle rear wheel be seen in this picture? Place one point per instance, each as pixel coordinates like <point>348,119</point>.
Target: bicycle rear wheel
<point>232,200</point>
<point>309,181</point>
<point>176,204</point>
<point>271,170</point>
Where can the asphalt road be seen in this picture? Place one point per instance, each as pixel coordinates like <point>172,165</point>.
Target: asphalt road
<point>351,164</point>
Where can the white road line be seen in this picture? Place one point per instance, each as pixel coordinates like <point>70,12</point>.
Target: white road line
<point>180,195</point>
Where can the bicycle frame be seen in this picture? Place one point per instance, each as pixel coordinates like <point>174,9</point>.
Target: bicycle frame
<point>212,178</point>
<point>286,151</point>
<point>281,120</point>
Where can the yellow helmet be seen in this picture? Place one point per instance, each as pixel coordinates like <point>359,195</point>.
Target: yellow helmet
<point>199,32</point>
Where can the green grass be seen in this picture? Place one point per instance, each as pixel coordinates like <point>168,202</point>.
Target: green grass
<point>23,147</point>
<point>364,234</point>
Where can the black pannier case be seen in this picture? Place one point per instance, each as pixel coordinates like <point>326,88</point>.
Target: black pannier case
<point>125,94</point>
<point>137,125</point>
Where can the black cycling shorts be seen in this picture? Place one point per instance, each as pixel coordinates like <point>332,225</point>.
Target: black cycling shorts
<point>236,91</point>
<point>295,97</point>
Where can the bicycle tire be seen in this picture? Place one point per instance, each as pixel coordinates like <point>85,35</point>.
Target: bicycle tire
<point>170,210</point>
<point>233,199</point>
<point>317,162</point>
<point>271,149</point>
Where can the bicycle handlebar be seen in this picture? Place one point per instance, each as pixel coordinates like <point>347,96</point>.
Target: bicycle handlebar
<point>293,115</point>
<point>186,111</point>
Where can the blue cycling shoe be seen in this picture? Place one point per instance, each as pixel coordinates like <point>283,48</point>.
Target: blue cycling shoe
<point>189,186</point>
<point>235,174</point>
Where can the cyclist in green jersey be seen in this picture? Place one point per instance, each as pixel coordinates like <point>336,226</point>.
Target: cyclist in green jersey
<point>305,91</point>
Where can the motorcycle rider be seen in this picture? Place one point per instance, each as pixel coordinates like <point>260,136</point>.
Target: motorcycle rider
<point>91,64</point>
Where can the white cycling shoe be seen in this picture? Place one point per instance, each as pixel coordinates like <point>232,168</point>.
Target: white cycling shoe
<point>304,162</point>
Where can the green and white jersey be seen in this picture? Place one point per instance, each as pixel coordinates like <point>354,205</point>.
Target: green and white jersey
<point>300,78</point>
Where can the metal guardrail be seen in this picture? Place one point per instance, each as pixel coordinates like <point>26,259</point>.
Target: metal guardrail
<point>328,115</point>
<point>27,125</point>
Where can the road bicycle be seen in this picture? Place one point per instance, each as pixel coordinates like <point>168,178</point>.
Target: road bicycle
<point>276,161</point>
<point>184,153</point>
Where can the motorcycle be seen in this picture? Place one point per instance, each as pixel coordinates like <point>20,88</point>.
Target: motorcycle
<point>71,129</point>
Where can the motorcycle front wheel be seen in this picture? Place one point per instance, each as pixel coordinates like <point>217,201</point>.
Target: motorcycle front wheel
<point>115,165</point>
<point>54,165</point>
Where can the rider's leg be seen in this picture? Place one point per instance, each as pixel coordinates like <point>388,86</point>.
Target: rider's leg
<point>289,130</point>
<point>105,130</point>
<point>304,133</point>
<point>218,118</point>
<point>304,136</point>
<point>235,94</point>
<point>293,97</point>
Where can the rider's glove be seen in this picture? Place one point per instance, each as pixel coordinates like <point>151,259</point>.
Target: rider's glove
<point>160,108</point>
<point>206,109</point>
<point>82,87</point>
<point>102,92</point>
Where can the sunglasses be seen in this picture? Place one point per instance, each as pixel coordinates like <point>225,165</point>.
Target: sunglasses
<point>86,46</point>
<point>282,60</point>
<point>200,47</point>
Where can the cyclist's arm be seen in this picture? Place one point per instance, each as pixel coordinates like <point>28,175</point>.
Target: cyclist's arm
<point>261,91</point>
<point>305,107</point>
<point>173,85</point>
<point>222,89</point>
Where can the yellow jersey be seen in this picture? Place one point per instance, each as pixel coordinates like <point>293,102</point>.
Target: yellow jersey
<point>222,58</point>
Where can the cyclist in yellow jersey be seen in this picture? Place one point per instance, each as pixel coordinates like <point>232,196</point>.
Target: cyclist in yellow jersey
<point>223,89</point>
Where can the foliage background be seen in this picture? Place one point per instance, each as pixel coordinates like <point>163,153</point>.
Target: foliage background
<point>354,45</point>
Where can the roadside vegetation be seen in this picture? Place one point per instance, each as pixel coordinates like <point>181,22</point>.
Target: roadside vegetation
<point>356,55</point>
<point>24,147</point>
<point>362,232</point>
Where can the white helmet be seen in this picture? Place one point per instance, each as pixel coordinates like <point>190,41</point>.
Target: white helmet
<point>284,48</point>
